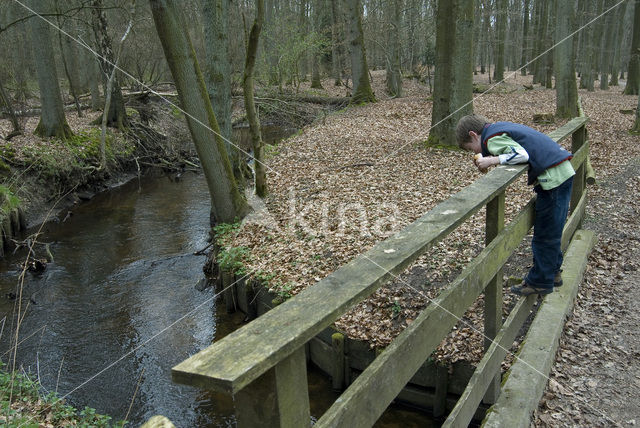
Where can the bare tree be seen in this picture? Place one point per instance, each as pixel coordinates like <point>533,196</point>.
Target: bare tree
<point>116,113</point>
<point>362,92</point>
<point>564,62</point>
<point>227,202</point>
<point>453,88</point>
<point>53,122</point>
<point>249,102</point>
<point>633,71</point>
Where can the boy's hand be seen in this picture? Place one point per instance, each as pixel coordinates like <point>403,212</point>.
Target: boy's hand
<point>483,163</point>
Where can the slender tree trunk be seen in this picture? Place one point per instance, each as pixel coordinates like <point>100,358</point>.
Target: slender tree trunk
<point>6,100</point>
<point>394,73</point>
<point>636,124</point>
<point>249,103</point>
<point>269,51</point>
<point>617,44</point>
<point>564,65</point>
<point>362,92</point>
<point>526,42</point>
<point>633,71</point>
<point>484,41</point>
<point>53,122</point>
<point>336,60</point>
<point>117,115</point>
<point>217,73</point>
<point>316,19</point>
<point>501,23</point>
<point>607,46</point>
<point>453,89</point>
<point>588,58</point>
<point>227,202</point>
<point>542,31</point>
<point>94,72</point>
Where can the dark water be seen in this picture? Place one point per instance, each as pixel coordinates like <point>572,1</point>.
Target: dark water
<point>118,308</point>
<point>120,297</point>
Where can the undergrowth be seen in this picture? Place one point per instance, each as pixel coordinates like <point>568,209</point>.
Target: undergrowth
<point>23,404</point>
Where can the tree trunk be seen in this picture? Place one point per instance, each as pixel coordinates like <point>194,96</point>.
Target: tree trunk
<point>94,72</point>
<point>526,42</point>
<point>249,102</point>
<point>541,35</point>
<point>336,60</point>
<point>316,19</point>
<point>453,89</point>
<point>587,76</point>
<point>217,73</point>
<point>117,116</point>
<point>564,63</point>
<point>636,125</point>
<point>227,202</point>
<point>53,122</point>
<point>394,73</point>
<point>607,46</point>
<point>501,24</point>
<point>617,44</point>
<point>633,71</point>
<point>362,92</point>
<point>6,101</point>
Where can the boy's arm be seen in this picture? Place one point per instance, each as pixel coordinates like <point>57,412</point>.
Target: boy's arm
<point>508,151</point>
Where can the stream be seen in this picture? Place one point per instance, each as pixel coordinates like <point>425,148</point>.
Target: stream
<point>106,321</point>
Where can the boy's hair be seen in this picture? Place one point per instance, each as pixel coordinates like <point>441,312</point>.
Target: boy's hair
<point>471,122</point>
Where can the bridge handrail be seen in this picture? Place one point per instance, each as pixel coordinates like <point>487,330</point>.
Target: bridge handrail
<point>275,340</point>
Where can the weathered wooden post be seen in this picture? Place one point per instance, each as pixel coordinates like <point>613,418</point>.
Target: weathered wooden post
<point>279,398</point>
<point>228,291</point>
<point>493,291</point>
<point>337,378</point>
<point>441,390</point>
<point>578,138</point>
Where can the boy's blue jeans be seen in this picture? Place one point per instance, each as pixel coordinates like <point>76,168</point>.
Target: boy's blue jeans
<point>552,207</point>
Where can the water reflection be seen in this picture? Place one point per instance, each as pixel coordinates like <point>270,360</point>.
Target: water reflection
<point>121,295</point>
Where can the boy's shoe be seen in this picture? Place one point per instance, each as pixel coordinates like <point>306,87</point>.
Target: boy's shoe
<point>524,289</point>
<point>557,280</point>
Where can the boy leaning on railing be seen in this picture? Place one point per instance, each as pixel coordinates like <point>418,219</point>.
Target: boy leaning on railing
<point>506,143</point>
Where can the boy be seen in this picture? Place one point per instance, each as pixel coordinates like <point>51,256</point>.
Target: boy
<point>506,143</point>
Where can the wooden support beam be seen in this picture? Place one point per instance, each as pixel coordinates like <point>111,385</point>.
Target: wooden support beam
<point>493,291</point>
<point>277,399</point>
<point>528,375</point>
<point>482,378</point>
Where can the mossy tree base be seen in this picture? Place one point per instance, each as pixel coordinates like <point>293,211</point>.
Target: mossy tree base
<point>61,130</point>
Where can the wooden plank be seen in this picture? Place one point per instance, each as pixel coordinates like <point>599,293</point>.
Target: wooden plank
<point>574,221</point>
<point>528,376</point>
<point>483,376</point>
<point>568,129</point>
<point>580,156</point>
<point>365,400</point>
<point>279,398</point>
<point>242,356</point>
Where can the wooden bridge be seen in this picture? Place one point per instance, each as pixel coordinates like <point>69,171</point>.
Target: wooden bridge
<point>263,364</point>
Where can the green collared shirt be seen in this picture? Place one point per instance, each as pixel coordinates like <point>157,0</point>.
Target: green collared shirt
<point>549,179</point>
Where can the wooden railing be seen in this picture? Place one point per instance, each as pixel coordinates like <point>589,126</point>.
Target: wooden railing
<point>263,364</point>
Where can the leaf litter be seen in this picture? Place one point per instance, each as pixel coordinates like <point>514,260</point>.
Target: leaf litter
<point>371,159</point>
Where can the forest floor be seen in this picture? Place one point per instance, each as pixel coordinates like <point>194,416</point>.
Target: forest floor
<point>357,176</point>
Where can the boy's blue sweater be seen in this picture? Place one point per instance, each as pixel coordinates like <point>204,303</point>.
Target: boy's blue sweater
<point>543,151</point>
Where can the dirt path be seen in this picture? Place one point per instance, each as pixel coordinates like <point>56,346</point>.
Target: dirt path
<point>596,378</point>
